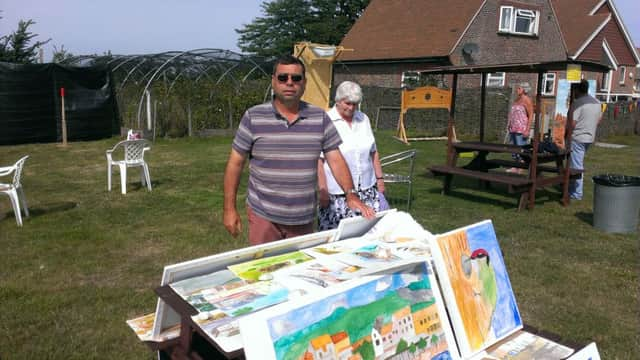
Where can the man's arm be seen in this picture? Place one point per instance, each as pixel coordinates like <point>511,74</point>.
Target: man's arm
<point>231,218</point>
<point>342,175</point>
<point>323,191</point>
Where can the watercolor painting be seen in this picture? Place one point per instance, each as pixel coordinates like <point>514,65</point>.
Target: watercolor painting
<point>252,270</point>
<point>248,298</point>
<point>319,273</point>
<point>143,327</point>
<point>373,317</point>
<point>209,283</point>
<point>475,286</point>
<point>525,346</point>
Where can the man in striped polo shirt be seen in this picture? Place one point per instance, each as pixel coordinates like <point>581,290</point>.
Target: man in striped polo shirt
<point>283,139</point>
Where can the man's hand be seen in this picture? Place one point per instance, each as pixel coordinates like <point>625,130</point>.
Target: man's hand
<point>232,222</point>
<point>354,203</point>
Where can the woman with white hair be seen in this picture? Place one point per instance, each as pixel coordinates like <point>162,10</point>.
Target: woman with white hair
<point>520,119</point>
<point>359,150</point>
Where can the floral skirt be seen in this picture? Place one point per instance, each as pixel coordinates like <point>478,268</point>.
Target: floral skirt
<point>329,217</point>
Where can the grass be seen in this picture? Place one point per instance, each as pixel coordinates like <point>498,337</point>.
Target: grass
<point>88,259</point>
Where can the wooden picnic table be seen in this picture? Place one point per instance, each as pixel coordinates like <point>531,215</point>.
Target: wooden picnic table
<point>483,166</point>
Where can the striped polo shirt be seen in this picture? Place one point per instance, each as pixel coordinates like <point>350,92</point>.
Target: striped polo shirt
<point>283,160</point>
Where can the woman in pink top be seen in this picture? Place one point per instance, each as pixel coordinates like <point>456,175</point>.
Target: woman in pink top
<point>520,118</point>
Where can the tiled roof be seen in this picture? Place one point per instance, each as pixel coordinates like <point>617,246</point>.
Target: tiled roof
<point>575,22</point>
<point>408,29</point>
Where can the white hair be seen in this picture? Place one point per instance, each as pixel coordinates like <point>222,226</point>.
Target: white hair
<point>349,91</point>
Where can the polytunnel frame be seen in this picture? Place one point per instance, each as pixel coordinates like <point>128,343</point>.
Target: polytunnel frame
<point>195,52</point>
<point>219,59</point>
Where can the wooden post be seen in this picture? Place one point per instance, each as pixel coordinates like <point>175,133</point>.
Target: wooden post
<point>533,166</point>
<point>451,127</point>
<point>483,100</point>
<point>64,119</point>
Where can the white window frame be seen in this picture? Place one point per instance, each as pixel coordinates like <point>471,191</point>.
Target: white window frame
<point>509,16</point>
<point>505,26</point>
<point>623,73</point>
<point>495,79</point>
<point>549,77</point>
<point>606,83</point>
<point>636,85</point>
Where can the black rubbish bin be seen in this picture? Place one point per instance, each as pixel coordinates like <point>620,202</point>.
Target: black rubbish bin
<point>616,203</point>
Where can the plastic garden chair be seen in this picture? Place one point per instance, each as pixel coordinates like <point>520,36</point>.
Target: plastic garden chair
<point>132,155</point>
<point>402,176</point>
<point>14,189</point>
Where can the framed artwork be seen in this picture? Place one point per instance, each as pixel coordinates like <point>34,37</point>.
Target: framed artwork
<point>396,315</point>
<point>166,317</point>
<point>475,287</point>
<point>524,345</point>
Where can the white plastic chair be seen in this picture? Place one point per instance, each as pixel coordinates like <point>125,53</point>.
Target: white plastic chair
<point>14,189</point>
<point>133,156</point>
<point>400,176</point>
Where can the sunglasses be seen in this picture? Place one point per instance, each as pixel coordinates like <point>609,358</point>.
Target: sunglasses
<point>284,77</point>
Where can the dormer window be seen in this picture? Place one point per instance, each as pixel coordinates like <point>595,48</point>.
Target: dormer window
<point>518,21</point>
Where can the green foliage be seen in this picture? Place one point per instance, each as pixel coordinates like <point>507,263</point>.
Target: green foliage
<point>422,343</point>
<point>286,22</point>
<point>434,339</point>
<point>17,47</point>
<point>402,346</point>
<point>60,55</point>
<point>366,350</point>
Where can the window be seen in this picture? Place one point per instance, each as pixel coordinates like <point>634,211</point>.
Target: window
<point>518,21</point>
<point>636,87</point>
<point>549,84</point>
<point>495,79</point>
<point>623,73</point>
<point>506,13</point>
<point>410,79</point>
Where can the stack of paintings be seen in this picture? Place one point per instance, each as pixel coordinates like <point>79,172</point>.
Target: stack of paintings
<point>399,314</point>
<point>373,295</point>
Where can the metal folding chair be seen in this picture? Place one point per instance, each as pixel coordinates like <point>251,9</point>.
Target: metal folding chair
<point>400,174</point>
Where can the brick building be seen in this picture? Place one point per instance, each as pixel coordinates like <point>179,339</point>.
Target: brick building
<point>395,39</point>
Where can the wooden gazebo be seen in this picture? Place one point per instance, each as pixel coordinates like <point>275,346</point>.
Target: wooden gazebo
<point>479,167</point>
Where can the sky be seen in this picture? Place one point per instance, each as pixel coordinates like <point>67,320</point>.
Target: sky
<point>128,27</point>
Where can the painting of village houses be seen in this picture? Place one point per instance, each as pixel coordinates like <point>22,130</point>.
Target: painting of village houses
<point>395,316</point>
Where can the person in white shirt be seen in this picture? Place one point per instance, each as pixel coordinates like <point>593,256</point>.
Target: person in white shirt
<point>359,150</point>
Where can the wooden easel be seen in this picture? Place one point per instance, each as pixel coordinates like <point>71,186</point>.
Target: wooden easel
<point>427,97</point>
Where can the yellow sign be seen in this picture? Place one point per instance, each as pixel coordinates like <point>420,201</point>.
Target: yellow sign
<point>574,73</point>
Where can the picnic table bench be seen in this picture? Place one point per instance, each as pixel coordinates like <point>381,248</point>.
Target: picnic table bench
<point>538,175</point>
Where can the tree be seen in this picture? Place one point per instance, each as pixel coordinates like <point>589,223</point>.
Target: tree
<point>60,55</point>
<point>16,47</point>
<point>287,22</point>
<point>332,19</point>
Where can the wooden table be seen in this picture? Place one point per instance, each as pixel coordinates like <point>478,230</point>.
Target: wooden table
<point>537,175</point>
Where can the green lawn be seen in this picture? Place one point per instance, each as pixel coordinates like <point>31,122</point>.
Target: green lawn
<point>88,259</point>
